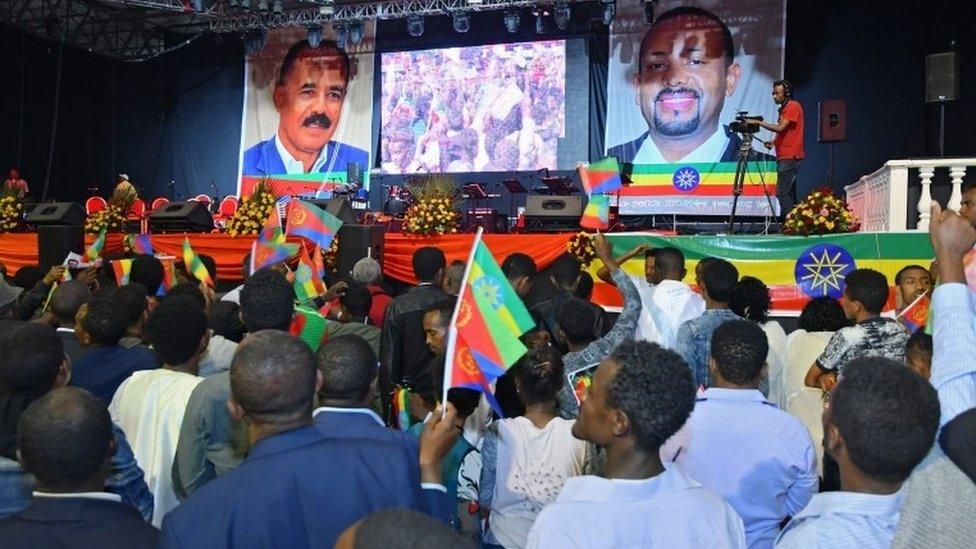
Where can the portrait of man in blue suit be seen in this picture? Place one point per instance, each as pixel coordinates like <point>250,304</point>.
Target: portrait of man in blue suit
<point>308,95</point>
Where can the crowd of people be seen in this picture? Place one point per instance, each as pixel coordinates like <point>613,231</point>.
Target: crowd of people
<point>485,108</point>
<point>205,420</point>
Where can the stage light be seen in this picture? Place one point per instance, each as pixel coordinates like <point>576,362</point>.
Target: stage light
<point>356,32</point>
<point>314,35</point>
<point>562,15</point>
<point>254,41</point>
<point>512,20</point>
<point>342,35</point>
<point>246,5</point>
<point>609,10</point>
<point>540,22</point>
<point>462,21</point>
<point>415,25</point>
<point>649,11</point>
<point>263,5</point>
<point>276,6</point>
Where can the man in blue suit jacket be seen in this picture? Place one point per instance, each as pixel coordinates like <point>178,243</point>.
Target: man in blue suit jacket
<point>308,95</point>
<point>306,480</point>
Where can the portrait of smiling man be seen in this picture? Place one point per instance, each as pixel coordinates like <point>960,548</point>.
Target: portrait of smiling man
<point>308,95</point>
<point>686,70</point>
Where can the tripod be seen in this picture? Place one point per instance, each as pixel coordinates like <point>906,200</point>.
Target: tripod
<point>738,181</point>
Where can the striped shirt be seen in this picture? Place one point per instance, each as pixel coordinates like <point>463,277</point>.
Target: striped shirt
<point>844,519</point>
<point>954,338</point>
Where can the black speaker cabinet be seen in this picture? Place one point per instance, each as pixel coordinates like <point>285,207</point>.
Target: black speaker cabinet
<point>179,217</point>
<point>338,207</point>
<point>54,242</point>
<point>490,220</point>
<point>552,213</point>
<point>354,241</point>
<point>56,213</point>
<point>941,77</point>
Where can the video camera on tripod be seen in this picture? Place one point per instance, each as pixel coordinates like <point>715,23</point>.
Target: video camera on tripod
<point>744,123</point>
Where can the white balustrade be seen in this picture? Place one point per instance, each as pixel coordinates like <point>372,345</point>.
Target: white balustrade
<point>880,199</point>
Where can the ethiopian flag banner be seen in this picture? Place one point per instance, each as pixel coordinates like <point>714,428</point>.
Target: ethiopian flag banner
<point>795,268</point>
<point>483,337</point>
<point>697,189</point>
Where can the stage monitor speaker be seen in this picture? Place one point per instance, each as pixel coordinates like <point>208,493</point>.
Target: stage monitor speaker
<point>56,213</point>
<point>338,207</point>
<point>488,219</point>
<point>354,243</point>
<point>833,121</point>
<point>179,217</point>
<point>552,213</point>
<point>55,242</point>
<point>941,77</point>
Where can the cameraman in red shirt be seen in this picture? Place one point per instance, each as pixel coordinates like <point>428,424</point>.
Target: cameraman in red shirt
<point>788,143</point>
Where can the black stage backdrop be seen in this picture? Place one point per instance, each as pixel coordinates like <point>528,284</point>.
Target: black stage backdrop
<point>177,118</point>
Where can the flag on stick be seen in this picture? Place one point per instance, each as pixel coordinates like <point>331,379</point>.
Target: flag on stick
<point>601,177</point>
<point>308,284</point>
<point>271,232</point>
<point>264,253</point>
<point>596,216</point>
<point>95,250</point>
<point>483,337</point>
<point>121,268</point>
<point>916,315</point>
<point>194,265</point>
<point>312,222</point>
<point>140,244</point>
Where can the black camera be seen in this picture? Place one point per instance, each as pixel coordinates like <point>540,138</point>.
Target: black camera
<point>741,125</point>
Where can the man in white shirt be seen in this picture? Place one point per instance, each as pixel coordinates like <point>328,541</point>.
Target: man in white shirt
<point>640,396</point>
<point>667,301</point>
<point>768,468</point>
<point>149,405</point>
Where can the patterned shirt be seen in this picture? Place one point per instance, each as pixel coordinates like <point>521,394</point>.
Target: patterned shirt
<point>876,336</point>
<point>600,349</point>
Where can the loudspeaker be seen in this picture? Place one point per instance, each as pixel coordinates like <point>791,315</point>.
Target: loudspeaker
<point>56,213</point>
<point>354,174</point>
<point>179,217</point>
<point>547,213</point>
<point>55,242</point>
<point>833,121</point>
<point>354,241</point>
<point>490,220</point>
<point>941,77</point>
<point>338,207</point>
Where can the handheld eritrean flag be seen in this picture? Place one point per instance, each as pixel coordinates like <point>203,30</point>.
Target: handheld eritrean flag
<point>140,244</point>
<point>319,263</point>
<point>95,250</point>
<point>194,265</point>
<point>309,326</point>
<point>169,275</point>
<point>596,216</point>
<point>264,253</point>
<point>483,337</point>
<point>601,177</point>
<point>271,232</point>
<point>915,316</point>
<point>312,222</point>
<point>308,284</point>
<point>122,268</point>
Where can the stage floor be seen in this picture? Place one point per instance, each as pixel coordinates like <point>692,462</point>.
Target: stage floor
<point>795,268</point>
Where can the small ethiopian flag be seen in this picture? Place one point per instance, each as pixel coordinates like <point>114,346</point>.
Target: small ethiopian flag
<point>601,177</point>
<point>121,268</point>
<point>194,265</point>
<point>95,250</point>
<point>308,284</point>
<point>597,213</point>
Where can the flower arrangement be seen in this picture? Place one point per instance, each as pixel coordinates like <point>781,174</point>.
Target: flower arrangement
<point>821,212</point>
<point>11,210</point>
<point>253,211</point>
<point>436,208</point>
<point>112,218</point>
<point>581,245</point>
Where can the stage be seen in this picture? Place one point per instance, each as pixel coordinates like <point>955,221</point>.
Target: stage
<point>795,268</point>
